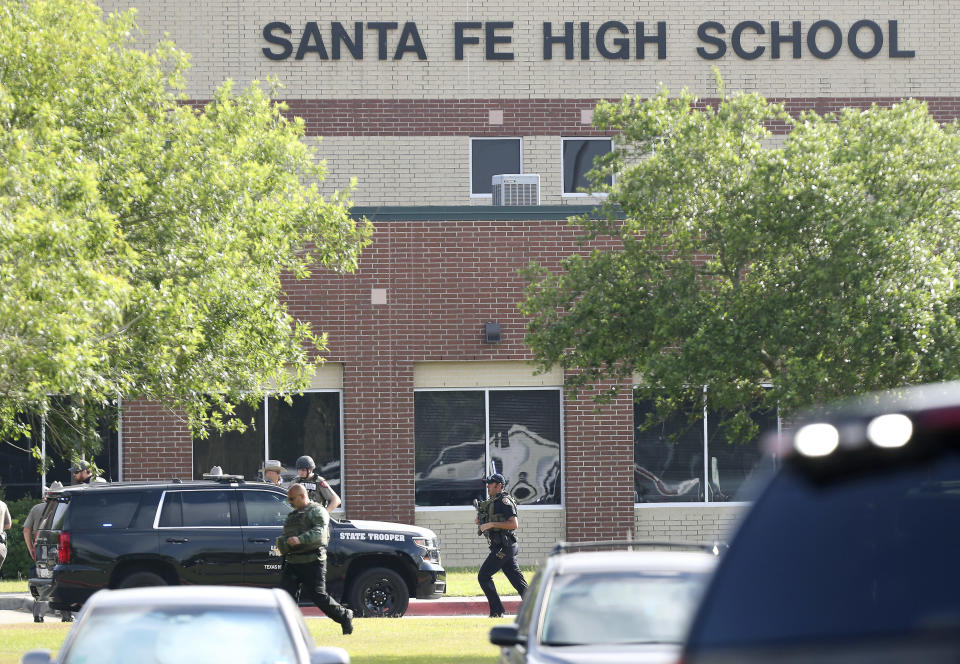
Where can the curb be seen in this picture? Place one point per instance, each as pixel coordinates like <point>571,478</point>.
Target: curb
<point>445,606</point>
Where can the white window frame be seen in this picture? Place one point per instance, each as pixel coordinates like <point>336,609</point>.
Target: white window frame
<point>486,441</point>
<point>470,159</point>
<point>579,194</point>
<point>706,462</point>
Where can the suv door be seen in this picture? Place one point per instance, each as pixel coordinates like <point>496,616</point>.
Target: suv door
<point>200,530</point>
<point>262,513</point>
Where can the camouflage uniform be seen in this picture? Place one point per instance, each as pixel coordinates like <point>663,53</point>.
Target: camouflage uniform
<point>305,565</point>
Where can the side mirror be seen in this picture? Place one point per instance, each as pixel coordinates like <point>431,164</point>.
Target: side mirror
<point>36,657</point>
<point>505,635</point>
<point>328,655</point>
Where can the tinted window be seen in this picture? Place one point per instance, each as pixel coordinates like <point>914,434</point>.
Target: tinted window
<point>196,509</point>
<point>236,453</point>
<point>449,447</point>
<point>265,508</point>
<point>489,157</point>
<point>874,554</point>
<point>309,425</point>
<point>578,156</point>
<point>98,509</point>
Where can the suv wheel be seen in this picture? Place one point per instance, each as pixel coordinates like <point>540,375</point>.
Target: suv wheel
<point>141,579</point>
<point>380,593</point>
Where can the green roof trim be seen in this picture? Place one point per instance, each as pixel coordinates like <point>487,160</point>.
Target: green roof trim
<point>468,212</point>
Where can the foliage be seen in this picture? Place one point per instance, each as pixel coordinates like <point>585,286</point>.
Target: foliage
<point>18,561</point>
<point>143,241</point>
<point>824,267</point>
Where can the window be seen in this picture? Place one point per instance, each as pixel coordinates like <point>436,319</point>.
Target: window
<point>265,508</point>
<point>669,457</point>
<point>194,509</point>
<point>492,156</point>
<point>578,156</point>
<point>462,435</point>
<point>310,425</point>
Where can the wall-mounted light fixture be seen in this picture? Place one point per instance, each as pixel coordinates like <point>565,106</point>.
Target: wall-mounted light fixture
<point>491,332</point>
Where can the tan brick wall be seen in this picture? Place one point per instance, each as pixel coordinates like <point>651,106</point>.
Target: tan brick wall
<point>225,38</point>
<point>694,523</point>
<point>540,529</point>
<point>429,170</point>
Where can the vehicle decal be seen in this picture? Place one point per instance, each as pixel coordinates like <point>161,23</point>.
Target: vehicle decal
<point>374,537</point>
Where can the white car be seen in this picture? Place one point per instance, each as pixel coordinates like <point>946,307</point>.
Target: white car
<point>190,625</point>
<point>596,606</point>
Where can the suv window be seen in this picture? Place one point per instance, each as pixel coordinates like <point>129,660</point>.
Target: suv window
<point>192,509</point>
<point>265,508</point>
<point>530,601</point>
<point>884,543</point>
<point>91,511</point>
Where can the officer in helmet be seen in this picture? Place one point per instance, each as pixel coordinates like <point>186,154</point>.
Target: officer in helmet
<point>317,488</point>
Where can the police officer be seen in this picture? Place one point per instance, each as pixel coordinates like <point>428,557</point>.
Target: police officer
<point>500,525</point>
<point>317,487</point>
<point>273,472</point>
<point>303,545</point>
<point>81,472</point>
<point>32,522</point>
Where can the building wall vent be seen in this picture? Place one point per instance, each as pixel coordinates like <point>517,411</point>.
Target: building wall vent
<point>516,189</point>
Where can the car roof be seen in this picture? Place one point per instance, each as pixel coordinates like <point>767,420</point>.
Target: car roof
<point>163,484</point>
<point>647,561</point>
<point>231,596</point>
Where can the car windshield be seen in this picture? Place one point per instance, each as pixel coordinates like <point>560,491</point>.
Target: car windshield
<point>619,607</point>
<point>182,636</point>
<point>875,554</point>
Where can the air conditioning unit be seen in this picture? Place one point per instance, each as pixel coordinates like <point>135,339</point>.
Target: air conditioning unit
<point>516,189</point>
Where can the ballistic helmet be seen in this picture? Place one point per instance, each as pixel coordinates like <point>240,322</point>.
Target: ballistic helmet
<point>306,462</point>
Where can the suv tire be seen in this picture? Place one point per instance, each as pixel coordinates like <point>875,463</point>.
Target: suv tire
<point>379,593</point>
<point>142,579</point>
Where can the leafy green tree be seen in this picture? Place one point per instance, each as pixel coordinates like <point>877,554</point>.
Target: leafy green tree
<point>144,243</point>
<point>822,265</point>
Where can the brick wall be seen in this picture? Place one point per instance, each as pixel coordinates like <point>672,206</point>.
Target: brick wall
<point>693,523</point>
<point>157,444</point>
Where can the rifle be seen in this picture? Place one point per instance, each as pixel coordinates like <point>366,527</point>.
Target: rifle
<point>482,515</point>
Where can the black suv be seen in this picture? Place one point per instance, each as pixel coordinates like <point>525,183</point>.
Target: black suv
<point>851,552</point>
<point>122,535</point>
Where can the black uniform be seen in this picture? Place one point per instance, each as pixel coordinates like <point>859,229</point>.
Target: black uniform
<point>503,554</point>
<point>306,564</point>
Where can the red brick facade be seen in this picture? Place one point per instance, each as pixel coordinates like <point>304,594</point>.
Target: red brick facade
<point>444,280</point>
<point>522,117</point>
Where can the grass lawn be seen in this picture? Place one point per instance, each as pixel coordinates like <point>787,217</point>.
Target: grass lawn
<point>462,582</point>
<point>13,586</point>
<point>374,640</point>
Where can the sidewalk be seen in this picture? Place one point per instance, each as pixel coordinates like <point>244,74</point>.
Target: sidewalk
<point>445,606</point>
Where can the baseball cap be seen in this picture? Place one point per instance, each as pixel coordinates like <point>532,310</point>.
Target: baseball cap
<point>79,465</point>
<point>496,477</point>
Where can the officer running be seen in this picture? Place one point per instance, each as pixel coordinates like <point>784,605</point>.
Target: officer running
<point>500,525</point>
<point>317,487</point>
<point>303,545</point>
